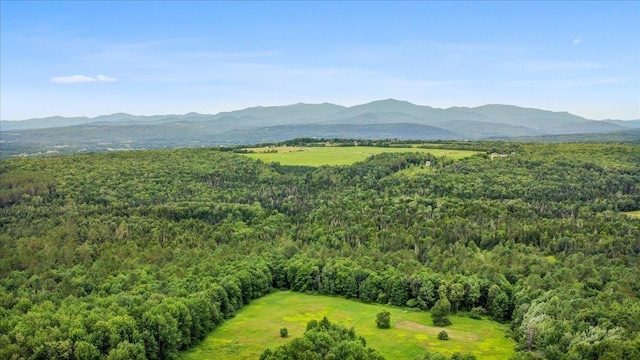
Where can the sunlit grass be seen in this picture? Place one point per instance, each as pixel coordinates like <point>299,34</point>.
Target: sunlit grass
<point>339,155</point>
<point>635,214</point>
<point>257,326</point>
<point>415,170</point>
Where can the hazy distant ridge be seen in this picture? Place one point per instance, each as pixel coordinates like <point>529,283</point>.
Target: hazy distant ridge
<point>384,119</point>
<point>382,111</point>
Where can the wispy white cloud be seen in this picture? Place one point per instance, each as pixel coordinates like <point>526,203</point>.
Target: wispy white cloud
<point>78,79</point>
<point>73,79</point>
<point>104,78</point>
<point>577,41</point>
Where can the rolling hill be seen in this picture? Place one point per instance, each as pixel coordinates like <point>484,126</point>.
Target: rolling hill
<point>378,119</point>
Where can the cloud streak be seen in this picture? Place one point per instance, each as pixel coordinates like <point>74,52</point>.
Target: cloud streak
<point>79,79</point>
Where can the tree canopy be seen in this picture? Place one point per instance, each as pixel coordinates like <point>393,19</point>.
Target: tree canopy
<point>140,254</point>
<point>324,340</point>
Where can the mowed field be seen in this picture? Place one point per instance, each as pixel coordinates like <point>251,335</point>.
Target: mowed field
<point>338,155</point>
<point>257,326</point>
<point>635,214</point>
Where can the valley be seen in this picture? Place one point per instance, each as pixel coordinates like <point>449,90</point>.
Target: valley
<point>158,253</point>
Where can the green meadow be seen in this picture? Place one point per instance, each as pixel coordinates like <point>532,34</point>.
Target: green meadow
<point>635,214</point>
<point>415,170</point>
<point>257,326</point>
<point>339,155</point>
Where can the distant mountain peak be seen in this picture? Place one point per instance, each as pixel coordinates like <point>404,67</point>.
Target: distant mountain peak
<point>120,114</point>
<point>390,101</point>
<point>385,111</point>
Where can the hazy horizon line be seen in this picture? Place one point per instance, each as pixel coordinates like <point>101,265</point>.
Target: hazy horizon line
<point>307,103</point>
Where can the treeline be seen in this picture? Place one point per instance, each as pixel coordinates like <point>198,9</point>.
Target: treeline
<point>133,313</point>
<point>140,254</point>
<point>140,311</point>
<point>345,277</point>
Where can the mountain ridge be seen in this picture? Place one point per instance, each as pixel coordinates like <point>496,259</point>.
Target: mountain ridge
<point>382,119</point>
<point>328,112</point>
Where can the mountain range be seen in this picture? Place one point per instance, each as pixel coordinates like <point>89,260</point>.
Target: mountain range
<point>381,119</point>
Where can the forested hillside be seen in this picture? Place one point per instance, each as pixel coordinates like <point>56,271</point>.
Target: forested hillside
<point>383,119</point>
<point>133,255</point>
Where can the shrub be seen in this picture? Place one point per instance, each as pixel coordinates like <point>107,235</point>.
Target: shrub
<point>383,319</point>
<point>284,332</point>
<point>477,312</point>
<point>461,356</point>
<point>324,340</point>
<point>443,335</point>
<point>439,312</point>
<point>412,303</point>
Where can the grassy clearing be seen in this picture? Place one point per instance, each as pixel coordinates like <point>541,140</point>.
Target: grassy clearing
<point>335,155</point>
<point>415,170</point>
<point>277,149</point>
<point>635,214</point>
<point>257,326</point>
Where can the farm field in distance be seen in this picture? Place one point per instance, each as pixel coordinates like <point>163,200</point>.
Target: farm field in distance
<point>339,155</point>
<point>256,327</point>
<point>635,214</point>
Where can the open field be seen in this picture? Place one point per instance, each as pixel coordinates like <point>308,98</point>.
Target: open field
<point>256,327</point>
<point>277,149</point>
<point>415,170</point>
<point>336,155</point>
<point>635,214</point>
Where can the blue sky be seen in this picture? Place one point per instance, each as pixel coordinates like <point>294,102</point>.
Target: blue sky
<point>145,58</point>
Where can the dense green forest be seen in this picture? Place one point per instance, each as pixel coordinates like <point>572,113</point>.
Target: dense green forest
<point>134,255</point>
